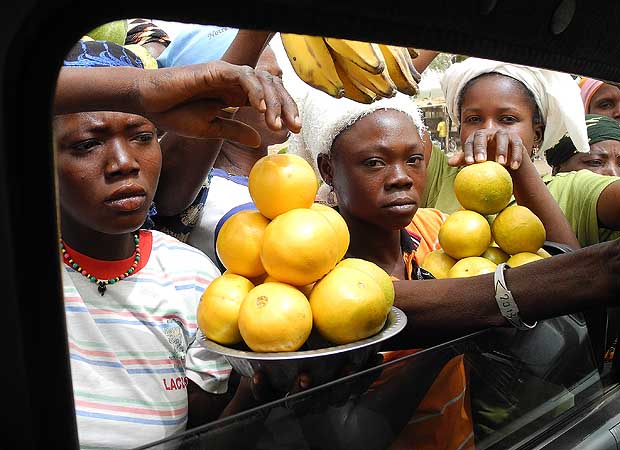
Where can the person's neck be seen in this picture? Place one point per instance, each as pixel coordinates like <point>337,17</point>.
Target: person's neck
<point>97,245</point>
<point>236,159</point>
<point>377,245</point>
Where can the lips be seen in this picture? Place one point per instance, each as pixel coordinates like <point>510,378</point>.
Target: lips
<point>127,198</point>
<point>401,202</point>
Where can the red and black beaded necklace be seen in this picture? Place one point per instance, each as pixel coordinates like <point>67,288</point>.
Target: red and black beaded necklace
<point>102,284</point>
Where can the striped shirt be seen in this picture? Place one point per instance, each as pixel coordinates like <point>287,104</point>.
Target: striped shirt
<point>133,350</point>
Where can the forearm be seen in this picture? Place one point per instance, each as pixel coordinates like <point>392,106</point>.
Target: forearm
<point>438,310</point>
<point>530,191</point>
<point>186,164</point>
<point>247,46</point>
<point>99,91</point>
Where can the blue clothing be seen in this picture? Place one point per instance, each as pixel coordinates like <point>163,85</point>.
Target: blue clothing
<point>197,44</point>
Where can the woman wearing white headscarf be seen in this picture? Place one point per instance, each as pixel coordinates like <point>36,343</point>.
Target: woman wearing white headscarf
<point>552,97</point>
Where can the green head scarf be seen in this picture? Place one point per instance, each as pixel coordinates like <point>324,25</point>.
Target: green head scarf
<point>600,128</point>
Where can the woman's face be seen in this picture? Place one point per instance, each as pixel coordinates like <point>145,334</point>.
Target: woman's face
<point>377,169</point>
<point>603,158</point>
<point>606,102</point>
<point>497,101</point>
<point>108,166</point>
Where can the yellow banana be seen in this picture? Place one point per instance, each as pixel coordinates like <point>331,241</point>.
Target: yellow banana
<point>380,84</point>
<point>362,54</point>
<point>352,91</point>
<point>313,62</point>
<point>399,66</point>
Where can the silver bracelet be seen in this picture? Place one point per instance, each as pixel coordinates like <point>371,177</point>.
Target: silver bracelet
<point>505,300</point>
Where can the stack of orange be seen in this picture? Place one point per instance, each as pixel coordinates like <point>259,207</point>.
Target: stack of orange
<point>285,272</point>
<point>486,232</point>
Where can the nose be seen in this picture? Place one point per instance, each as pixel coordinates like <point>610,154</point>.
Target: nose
<point>612,170</point>
<point>400,177</point>
<point>120,160</point>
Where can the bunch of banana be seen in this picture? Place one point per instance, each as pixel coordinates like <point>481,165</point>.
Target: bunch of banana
<point>360,71</point>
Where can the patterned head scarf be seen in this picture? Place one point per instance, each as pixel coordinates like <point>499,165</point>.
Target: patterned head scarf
<point>142,31</point>
<point>600,128</point>
<point>588,87</point>
<point>101,54</point>
<point>556,95</point>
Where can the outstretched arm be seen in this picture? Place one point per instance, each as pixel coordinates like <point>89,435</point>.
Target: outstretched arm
<point>438,310</point>
<point>608,207</point>
<point>186,100</point>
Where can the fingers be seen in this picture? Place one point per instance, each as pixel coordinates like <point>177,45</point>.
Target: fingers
<point>505,147</point>
<point>267,94</point>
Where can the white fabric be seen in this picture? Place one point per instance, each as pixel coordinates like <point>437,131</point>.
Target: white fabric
<point>225,193</point>
<point>133,349</point>
<point>557,95</point>
<point>323,118</point>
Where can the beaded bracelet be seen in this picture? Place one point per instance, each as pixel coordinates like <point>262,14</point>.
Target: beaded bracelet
<point>505,300</point>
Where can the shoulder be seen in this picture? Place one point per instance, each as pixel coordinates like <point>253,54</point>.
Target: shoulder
<point>581,180</point>
<point>169,250</point>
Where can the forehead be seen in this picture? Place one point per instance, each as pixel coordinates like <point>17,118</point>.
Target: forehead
<point>84,121</point>
<point>606,90</point>
<point>494,87</point>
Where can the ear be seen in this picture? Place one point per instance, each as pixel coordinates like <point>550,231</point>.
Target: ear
<point>539,134</point>
<point>324,163</point>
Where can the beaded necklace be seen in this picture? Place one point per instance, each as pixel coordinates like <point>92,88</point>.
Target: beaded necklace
<point>102,284</point>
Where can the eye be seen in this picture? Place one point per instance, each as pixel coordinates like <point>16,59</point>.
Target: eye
<point>415,160</point>
<point>605,105</point>
<point>594,162</point>
<point>472,119</point>
<point>374,162</point>
<point>85,146</point>
<point>508,119</point>
<point>145,137</point>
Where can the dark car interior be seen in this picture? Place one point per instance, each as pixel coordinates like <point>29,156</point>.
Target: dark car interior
<point>561,396</point>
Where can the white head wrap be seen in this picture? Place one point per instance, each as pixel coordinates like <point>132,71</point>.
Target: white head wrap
<point>557,96</point>
<point>323,118</point>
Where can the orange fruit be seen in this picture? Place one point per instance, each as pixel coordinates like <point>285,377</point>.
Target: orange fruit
<point>299,247</point>
<point>347,305</point>
<point>519,259</point>
<point>471,266</point>
<point>281,182</point>
<point>465,233</point>
<point>304,289</point>
<point>275,317</point>
<point>484,187</point>
<point>339,224</point>
<point>438,263</point>
<point>544,253</point>
<point>218,310</point>
<point>517,229</point>
<point>383,279</point>
<point>240,241</point>
<point>495,254</point>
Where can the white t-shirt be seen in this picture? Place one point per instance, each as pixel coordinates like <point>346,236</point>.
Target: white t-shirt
<point>227,195</point>
<point>133,349</point>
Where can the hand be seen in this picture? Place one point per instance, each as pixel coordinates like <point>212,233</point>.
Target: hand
<point>188,100</point>
<point>494,144</point>
<point>263,391</point>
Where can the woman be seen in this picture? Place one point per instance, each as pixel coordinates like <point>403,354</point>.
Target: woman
<point>599,97</point>
<point>138,371</point>
<point>541,103</point>
<point>372,158</point>
<point>587,185</point>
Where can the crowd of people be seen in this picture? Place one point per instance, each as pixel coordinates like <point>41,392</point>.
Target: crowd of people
<point>151,163</point>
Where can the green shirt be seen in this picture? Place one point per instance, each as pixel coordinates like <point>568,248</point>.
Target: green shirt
<point>577,194</point>
<point>439,189</point>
